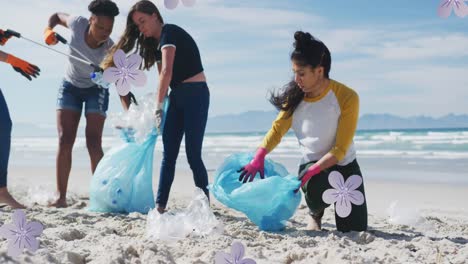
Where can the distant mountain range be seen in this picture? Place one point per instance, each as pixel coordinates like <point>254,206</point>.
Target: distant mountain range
<point>254,121</point>
<point>260,121</point>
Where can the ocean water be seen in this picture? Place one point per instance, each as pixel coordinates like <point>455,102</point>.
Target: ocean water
<point>434,155</point>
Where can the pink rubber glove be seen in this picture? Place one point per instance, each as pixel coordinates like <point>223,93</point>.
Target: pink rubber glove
<point>256,165</point>
<point>312,171</point>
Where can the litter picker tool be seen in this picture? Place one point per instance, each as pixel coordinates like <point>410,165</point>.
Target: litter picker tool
<point>64,41</point>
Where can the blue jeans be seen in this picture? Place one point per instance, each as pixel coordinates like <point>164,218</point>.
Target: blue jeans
<point>70,97</point>
<point>187,114</point>
<point>5,140</point>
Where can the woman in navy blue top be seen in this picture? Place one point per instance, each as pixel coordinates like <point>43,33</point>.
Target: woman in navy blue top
<point>180,68</point>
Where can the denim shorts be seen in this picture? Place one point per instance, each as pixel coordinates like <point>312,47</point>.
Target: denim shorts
<point>70,97</point>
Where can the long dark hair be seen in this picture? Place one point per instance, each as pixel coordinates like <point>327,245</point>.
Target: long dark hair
<point>308,51</point>
<point>146,47</point>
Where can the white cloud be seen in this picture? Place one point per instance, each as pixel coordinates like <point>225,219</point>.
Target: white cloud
<point>256,17</point>
<point>428,46</point>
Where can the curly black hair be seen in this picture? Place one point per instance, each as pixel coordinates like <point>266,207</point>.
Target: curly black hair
<point>103,8</point>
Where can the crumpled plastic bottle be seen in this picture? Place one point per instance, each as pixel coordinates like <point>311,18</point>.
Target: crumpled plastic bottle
<point>197,220</point>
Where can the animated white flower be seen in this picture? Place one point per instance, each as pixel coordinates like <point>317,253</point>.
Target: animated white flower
<point>446,6</point>
<point>344,193</point>
<point>125,73</point>
<point>171,4</point>
<point>21,234</point>
<point>236,256</point>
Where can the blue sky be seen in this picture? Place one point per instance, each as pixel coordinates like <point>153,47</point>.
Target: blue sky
<point>398,55</point>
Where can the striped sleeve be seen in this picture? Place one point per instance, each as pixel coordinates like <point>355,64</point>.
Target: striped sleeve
<point>278,129</point>
<point>347,123</point>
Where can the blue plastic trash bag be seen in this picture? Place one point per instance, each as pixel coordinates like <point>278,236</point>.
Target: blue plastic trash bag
<point>123,180</point>
<point>268,202</point>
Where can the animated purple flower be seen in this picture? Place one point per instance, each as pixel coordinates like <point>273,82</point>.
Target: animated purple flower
<point>21,234</point>
<point>237,253</point>
<point>446,6</point>
<point>344,193</point>
<point>125,73</point>
<point>171,4</point>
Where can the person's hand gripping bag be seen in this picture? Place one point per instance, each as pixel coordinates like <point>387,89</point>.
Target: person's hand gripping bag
<point>267,202</point>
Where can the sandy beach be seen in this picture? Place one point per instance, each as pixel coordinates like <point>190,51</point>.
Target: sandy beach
<point>408,223</point>
<point>391,76</point>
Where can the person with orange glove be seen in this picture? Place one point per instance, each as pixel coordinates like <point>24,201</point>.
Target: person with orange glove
<point>4,37</point>
<point>27,70</point>
<point>23,67</point>
<point>49,36</point>
<point>89,40</point>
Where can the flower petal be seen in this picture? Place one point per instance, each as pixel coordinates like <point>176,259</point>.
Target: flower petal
<point>19,218</point>
<point>112,74</point>
<point>247,261</point>
<point>445,8</point>
<point>171,4</point>
<point>330,196</point>
<point>188,3</point>
<point>31,243</point>
<point>119,59</point>
<point>237,251</point>
<point>460,8</point>
<point>222,258</point>
<point>137,78</point>
<point>15,248</point>
<point>356,197</point>
<point>336,180</point>
<point>123,86</point>
<point>343,207</point>
<point>8,231</point>
<point>134,61</point>
<point>34,229</point>
<point>353,182</point>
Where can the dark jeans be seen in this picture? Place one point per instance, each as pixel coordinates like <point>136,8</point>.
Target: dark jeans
<point>5,140</point>
<point>314,188</point>
<point>95,98</point>
<point>187,114</point>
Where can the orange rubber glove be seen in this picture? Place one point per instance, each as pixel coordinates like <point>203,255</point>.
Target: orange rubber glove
<point>25,68</point>
<point>4,36</point>
<point>49,36</point>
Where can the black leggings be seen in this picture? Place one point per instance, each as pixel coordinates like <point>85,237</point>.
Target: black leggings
<point>187,115</point>
<point>314,188</point>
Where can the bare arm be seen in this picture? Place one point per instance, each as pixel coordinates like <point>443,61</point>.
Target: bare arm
<point>165,72</point>
<point>58,19</point>
<point>159,67</point>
